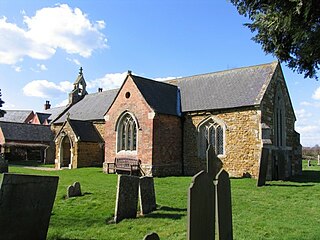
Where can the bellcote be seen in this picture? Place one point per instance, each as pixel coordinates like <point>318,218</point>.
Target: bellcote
<point>79,89</point>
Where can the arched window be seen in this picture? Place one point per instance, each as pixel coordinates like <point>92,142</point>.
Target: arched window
<point>211,132</point>
<point>279,117</point>
<point>127,133</point>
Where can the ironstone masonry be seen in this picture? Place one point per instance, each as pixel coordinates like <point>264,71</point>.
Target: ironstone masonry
<point>167,125</point>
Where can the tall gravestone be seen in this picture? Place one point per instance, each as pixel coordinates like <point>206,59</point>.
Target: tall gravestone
<point>263,167</point>
<point>209,202</point>
<point>127,197</point>
<point>26,205</point>
<point>3,164</point>
<point>147,195</point>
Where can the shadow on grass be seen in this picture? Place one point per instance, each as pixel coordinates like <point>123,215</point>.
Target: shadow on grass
<point>174,216</point>
<point>288,185</point>
<point>171,209</point>
<point>168,212</point>
<point>307,176</point>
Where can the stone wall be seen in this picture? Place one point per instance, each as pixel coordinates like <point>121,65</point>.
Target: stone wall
<point>83,154</point>
<point>167,146</point>
<point>242,141</point>
<point>89,154</point>
<point>292,148</point>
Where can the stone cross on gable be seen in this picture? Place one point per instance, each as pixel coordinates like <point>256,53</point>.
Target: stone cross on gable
<point>209,202</point>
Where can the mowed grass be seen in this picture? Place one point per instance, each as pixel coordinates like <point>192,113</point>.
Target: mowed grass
<point>280,210</point>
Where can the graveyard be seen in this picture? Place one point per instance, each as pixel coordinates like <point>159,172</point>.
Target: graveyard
<point>279,210</point>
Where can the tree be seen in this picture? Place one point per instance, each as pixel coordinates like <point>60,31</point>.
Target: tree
<point>287,29</point>
<point>2,112</point>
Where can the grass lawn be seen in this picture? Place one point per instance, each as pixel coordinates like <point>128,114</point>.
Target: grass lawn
<point>280,210</point>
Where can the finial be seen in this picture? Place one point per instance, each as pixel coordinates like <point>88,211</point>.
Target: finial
<point>68,115</point>
<point>80,71</point>
<point>129,72</point>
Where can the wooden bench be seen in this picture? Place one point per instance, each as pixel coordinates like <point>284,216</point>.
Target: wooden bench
<point>131,165</point>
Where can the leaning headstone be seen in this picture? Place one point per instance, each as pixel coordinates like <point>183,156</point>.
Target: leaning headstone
<point>263,167</point>
<point>309,163</point>
<point>26,205</point>
<point>3,164</point>
<point>74,190</point>
<point>209,202</point>
<point>151,236</point>
<point>127,197</point>
<point>147,195</point>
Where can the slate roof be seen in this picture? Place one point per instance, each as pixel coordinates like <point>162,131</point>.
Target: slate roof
<point>43,116</point>
<point>226,89</point>
<point>85,131</point>
<point>54,112</point>
<point>23,132</point>
<point>18,116</point>
<point>161,97</point>
<point>91,107</point>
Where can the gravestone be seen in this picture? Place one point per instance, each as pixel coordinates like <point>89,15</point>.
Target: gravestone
<point>26,205</point>
<point>151,236</point>
<point>127,197</point>
<point>74,190</point>
<point>3,164</point>
<point>263,167</point>
<point>147,195</point>
<point>209,202</point>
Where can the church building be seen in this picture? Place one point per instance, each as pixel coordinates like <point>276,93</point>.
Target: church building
<point>167,126</point>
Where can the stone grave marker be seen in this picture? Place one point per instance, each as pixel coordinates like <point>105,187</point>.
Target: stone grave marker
<point>3,164</point>
<point>147,195</point>
<point>224,207</point>
<point>151,236</point>
<point>209,202</point>
<point>26,205</point>
<point>127,197</point>
<point>74,190</point>
<point>263,167</point>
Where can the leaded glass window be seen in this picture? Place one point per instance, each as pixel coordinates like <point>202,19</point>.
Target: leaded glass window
<point>127,133</point>
<point>211,132</point>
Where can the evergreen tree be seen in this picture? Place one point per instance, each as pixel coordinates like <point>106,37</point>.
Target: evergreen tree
<point>287,29</point>
<point>2,112</point>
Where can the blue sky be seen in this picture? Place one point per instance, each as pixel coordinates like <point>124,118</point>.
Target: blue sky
<point>44,43</point>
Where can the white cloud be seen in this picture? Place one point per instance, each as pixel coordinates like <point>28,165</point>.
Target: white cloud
<point>42,67</point>
<point>49,29</point>
<point>63,103</point>
<point>165,78</point>
<point>46,89</point>
<point>74,60</point>
<point>108,81</point>
<point>316,94</point>
<point>302,113</point>
<point>17,68</point>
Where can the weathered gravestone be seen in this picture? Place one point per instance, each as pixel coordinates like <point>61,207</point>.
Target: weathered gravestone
<point>263,167</point>
<point>3,164</point>
<point>127,197</point>
<point>74,190</point>
<point>147,195</point>
<point>209,202</point>
<point>26,203</point>
<point>151,236</point>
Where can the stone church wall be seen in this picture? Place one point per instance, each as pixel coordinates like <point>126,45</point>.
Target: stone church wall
<point>293,149</point>
<point>167,148</point>
<point>242,142</point>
